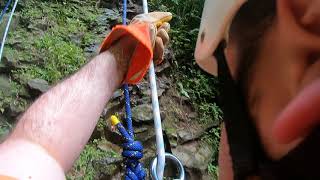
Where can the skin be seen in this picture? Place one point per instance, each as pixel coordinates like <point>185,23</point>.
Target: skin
<point>53,131</point>
<point>279,78</point>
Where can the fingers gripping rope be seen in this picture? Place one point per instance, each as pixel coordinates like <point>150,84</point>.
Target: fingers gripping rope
<point>132,151</point>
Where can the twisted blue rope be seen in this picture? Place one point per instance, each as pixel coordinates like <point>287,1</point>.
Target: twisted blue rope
<point>5,10</point>
<point>128,110</point>
<point>132,150</point>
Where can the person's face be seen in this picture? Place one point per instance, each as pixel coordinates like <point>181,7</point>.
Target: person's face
<point>287,64</point>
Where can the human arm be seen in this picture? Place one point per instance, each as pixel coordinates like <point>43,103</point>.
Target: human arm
<point>53,131</point>
<point>60,122</point>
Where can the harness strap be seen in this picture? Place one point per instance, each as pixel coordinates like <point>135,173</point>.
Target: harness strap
<point>241,134</point>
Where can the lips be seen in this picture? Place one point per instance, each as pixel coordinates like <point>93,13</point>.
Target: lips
<point>301,116</point>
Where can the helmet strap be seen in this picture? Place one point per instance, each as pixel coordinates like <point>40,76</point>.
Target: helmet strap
<point>241,133</point>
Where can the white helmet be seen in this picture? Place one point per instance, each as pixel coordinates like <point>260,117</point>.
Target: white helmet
<point>217,16</point>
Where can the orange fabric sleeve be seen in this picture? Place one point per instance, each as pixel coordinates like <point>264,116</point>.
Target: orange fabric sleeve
<point>142,55</point>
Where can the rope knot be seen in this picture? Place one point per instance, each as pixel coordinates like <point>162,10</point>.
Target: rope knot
<point>133,152</point>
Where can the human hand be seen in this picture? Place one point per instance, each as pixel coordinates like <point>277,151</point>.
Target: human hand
<point>159,28</point>
<point>149,35</point>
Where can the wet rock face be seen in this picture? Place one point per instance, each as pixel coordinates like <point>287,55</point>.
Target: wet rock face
<point>142,113</point>
<point>195,156</point>
<point>179,122</point>
<point>14,23</point>
<point>193,133</point>
<point>38,86</point>
<point>5,85</point>
<point>107,4</point>
<point>9,61</point>
<point>133,6</point>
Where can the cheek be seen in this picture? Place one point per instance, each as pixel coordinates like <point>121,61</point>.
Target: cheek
<point>274,82</point>
<point>271,97</point>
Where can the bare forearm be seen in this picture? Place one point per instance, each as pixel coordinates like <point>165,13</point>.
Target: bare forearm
<point>63,119</point>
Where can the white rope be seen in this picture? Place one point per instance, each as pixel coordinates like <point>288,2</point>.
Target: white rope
<point>161,157</point>
<point>7,28</point>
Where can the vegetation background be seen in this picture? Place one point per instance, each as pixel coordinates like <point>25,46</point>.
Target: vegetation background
<point>51,39</point>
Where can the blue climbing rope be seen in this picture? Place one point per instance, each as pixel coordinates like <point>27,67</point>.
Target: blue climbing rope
<point>128,110</point>
<point>3,12</point>
<point>132,150</point>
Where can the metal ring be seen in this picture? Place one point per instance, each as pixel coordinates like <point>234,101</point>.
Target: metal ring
<point>170,157</point>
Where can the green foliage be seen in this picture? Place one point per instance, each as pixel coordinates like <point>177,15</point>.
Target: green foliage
<point>60,58</point>
<point>200,88</point>
<point>185,24</point>
<point>192,83</point>
<point>5,127</point>
<point>83,168</point>
<point>57,50</point>
<point>213,138</point>
<point>183,10</point>
<point>84,162</point>
<point>213,171</point>
<point>210,113</point>
<point>9,96</point>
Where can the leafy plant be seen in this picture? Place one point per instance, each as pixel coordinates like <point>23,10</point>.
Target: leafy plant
<point>67,26</point>
<point>83,167</point>
<point>213,138</point>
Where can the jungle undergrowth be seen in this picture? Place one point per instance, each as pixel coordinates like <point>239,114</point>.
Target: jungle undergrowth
<point>49,44</point>
<point>85,168</point>
<point>53,36</point>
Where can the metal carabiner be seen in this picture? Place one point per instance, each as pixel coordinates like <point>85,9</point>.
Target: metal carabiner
<point>169,157</point>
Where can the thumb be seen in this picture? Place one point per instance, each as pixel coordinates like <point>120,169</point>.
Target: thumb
<point>156,18</point>
<point>161,17</point>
